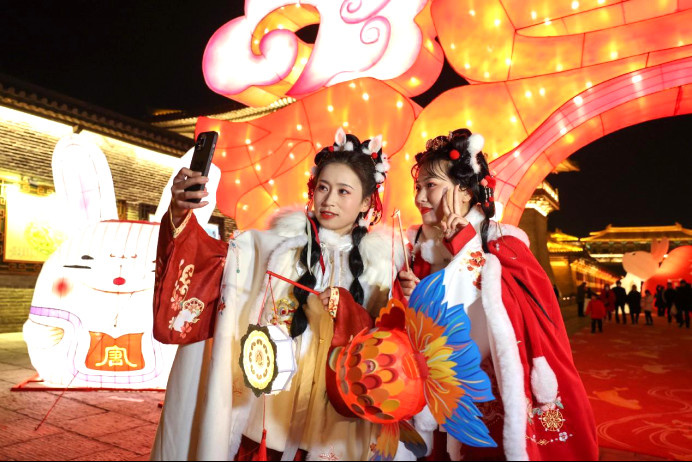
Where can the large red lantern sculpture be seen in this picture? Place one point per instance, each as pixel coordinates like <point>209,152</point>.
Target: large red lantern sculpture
<point>382,376</point>
<point>546,78</point>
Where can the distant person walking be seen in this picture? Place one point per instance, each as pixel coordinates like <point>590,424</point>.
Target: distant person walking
<point>634,300</point>
<point>659,301</point>
<point>648,306</point>
<point>581,297</point>
<point>683,301</point>
<point>669,297</point>
<point>620,300</point>
<point>608,299</point>
<point>597,310</point>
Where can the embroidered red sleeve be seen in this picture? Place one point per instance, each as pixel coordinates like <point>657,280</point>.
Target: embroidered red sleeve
<point>187,296</point>
<point>460,239</point>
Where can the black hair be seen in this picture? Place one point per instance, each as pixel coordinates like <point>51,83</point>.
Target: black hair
<point>438,162</point>
<point>363,164</point>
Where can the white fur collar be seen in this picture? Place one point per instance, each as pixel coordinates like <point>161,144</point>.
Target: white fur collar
<point>289,222</point>
<point>375,247</point>
<point>496,230</point>
<point>431,249</point>
<point>475,216</point>
<point>332,240</point>
<point>434,252</point>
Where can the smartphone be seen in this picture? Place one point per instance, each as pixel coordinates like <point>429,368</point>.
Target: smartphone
<point>201,158</point>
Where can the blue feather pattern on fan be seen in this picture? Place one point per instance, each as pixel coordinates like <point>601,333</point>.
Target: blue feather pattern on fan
<point>456,381</point>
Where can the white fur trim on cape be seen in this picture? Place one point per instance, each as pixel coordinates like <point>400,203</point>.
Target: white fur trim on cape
<point>288,222</point>
<point>434,252</point>
<point>431,250</point>
<point>495,230</point>
<point>543,381</point>
<point>507,353</point>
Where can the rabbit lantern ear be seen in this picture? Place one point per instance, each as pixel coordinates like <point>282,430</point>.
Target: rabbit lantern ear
<point>375,144</point>
<point>83,182</point>
<point>340,137</point>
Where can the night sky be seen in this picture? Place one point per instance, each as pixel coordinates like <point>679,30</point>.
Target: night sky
<point>134,57</point>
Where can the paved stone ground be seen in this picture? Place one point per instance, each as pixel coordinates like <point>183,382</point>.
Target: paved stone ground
<point>106,425</point>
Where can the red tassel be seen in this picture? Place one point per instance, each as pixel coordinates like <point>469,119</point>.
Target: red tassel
<point>262,450</point>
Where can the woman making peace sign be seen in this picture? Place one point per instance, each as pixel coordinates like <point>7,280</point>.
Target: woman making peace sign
<point>542,411</point>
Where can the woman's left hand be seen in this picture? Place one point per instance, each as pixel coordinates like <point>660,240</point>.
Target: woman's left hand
<point>324,296</point>
<point>452,221</point>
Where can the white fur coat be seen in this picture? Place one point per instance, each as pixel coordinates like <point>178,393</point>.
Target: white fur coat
<point>208,408</point>
<point>491,328</point>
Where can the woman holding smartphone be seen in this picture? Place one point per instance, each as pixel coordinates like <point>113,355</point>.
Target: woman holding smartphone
<point>209,413</point>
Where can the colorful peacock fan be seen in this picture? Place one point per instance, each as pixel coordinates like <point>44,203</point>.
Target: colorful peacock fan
<point>419,355</point>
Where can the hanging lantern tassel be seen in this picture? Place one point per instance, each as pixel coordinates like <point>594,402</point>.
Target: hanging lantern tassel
<point>262,450</point>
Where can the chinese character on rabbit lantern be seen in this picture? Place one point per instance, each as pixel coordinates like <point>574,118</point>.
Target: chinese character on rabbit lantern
<point>544,81</point>
<point>90,321</point>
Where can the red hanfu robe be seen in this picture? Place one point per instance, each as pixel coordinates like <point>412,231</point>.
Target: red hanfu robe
<point>544,412</point>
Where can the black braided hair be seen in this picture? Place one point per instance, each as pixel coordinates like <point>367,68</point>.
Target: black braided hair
<point>300,320</point>
<point>363,165</point>
<point>437,162</point>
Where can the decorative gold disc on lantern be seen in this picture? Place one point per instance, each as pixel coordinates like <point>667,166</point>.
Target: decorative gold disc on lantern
<point>258,359</point>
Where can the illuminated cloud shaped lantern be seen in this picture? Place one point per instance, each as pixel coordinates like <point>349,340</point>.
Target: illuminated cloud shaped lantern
<point>90,321</point>
<point>545,78</point>
<point>381,39</point>
<point>265,163</point>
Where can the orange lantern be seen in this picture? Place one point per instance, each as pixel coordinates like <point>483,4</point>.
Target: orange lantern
<point>381,376</point>
<point>416,355</point>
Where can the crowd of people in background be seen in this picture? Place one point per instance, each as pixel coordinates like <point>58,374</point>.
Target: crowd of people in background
<point>669,303</point>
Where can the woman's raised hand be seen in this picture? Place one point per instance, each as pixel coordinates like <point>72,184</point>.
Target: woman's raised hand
<point>408,282</point>
<point>452,205</point>
<point>180,199</point>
